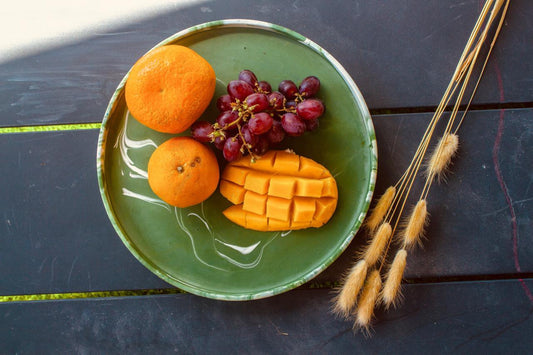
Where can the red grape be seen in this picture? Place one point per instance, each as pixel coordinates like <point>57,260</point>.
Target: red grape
<point>260,123</point>
<point>226,118</point>
<point>248,136</point>
<point>309,86</point>
<point>219,142</point>
<point>290,104</point>
<point>288,88</point>
<point>201,130</point>
<point>248,76</point>
<point>253,118</point>
<point>261,146</point>
<point>224,103</point>
<point>264,87</point>
<point>239,89</point>
<point>276,100</point>
<point>232,149</point>
<point>276,133</point>
<point>292,124</point>
<point>258,101</point>
<point>310,109</point>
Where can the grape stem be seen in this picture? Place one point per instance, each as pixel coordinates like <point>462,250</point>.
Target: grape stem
<point>245,144</point>
<point>244,112</point>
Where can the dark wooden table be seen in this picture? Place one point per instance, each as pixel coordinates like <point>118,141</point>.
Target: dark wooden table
<point>69,285</point>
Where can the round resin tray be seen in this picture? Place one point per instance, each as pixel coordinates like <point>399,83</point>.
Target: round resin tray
<point>197,249</point>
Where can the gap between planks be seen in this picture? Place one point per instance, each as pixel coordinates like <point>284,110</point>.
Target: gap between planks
<point>50,128</point>
<point>373,112</point>
<point>309,286</point>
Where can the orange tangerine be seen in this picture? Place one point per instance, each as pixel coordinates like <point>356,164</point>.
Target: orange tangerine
<point>169,88</point>
<point>183,172</point>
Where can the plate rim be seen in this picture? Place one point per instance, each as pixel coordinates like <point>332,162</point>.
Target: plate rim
<point>367,120</point>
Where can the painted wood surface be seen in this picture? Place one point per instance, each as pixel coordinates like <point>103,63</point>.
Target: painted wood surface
<point>57,237</point>
<point>465,317</point>
<point>468,290</point>
<point>73,83</point>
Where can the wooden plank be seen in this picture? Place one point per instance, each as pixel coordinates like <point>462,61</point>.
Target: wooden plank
<point>491,317</point>
<point>401,54</point>
<point>56,237</point>
<point>473,229</point>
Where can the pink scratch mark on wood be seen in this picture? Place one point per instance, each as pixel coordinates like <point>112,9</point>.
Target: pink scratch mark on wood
<point>503,186</point>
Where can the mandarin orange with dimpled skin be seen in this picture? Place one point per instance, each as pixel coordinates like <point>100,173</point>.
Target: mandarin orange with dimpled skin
<point>183,172</point>
<point>169,88</point>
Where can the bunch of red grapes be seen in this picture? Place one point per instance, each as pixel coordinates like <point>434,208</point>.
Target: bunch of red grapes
<point>253,118</point>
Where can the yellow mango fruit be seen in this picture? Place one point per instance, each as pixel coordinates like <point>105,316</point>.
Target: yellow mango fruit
<point>279,191</point>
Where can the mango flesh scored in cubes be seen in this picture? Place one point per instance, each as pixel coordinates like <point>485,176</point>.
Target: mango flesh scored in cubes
<point>303,209</point>
<point>309,187</point>
<point>233,192</point>
<point>278,208</point>
<point>235,174</point>
<point>282,186</point>
<point>279,191</point>
<point>257,182</point>
<point>254,202</point>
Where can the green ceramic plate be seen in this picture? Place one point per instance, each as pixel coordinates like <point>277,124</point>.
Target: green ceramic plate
<point>197,249</point>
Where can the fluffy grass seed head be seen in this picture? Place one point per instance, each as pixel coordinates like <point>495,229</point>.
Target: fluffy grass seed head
<point>381,208</point>
<point>442,155</point>
<point>346,300</point>
<point>367,301</point>
<point>414,230</point>
<point>375,249</point>
<point>391,293</point>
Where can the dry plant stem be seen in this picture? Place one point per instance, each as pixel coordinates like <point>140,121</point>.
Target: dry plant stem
<point>375,249</point>
<point>378,213</point>
<point>463,61</point>
<point>473,55</point>
<point>442,156</point>
<point>462,74</point>
<point>415,226</point>
<point>467,60</point>
<point>406,181</point>
<point>347,298</point>
<point>367,301</point>
<point>471,59</point>
<point>440,160</point>
<point>438,157</point>
<point>391,293</point>
<point>391,215</point>
<point>496,34</point>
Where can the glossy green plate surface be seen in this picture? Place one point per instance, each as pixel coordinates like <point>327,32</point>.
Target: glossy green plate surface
<point>197,249</point>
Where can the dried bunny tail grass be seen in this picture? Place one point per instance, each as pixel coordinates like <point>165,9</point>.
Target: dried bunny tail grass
<point>442,156</point>
<point>391,293</point>
<point>375,249</point>
<point>346,300</point>
<point>379,211</point>
<point>415,227</point>
<point>367,301</point>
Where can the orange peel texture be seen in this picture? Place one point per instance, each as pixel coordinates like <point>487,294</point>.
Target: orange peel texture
<point>169,88</point>
<point>183,172</point>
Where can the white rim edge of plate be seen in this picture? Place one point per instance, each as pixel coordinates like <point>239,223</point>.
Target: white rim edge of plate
<point>371,184</point>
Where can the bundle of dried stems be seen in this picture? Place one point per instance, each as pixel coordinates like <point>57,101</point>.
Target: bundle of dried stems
<point>363,288</point>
